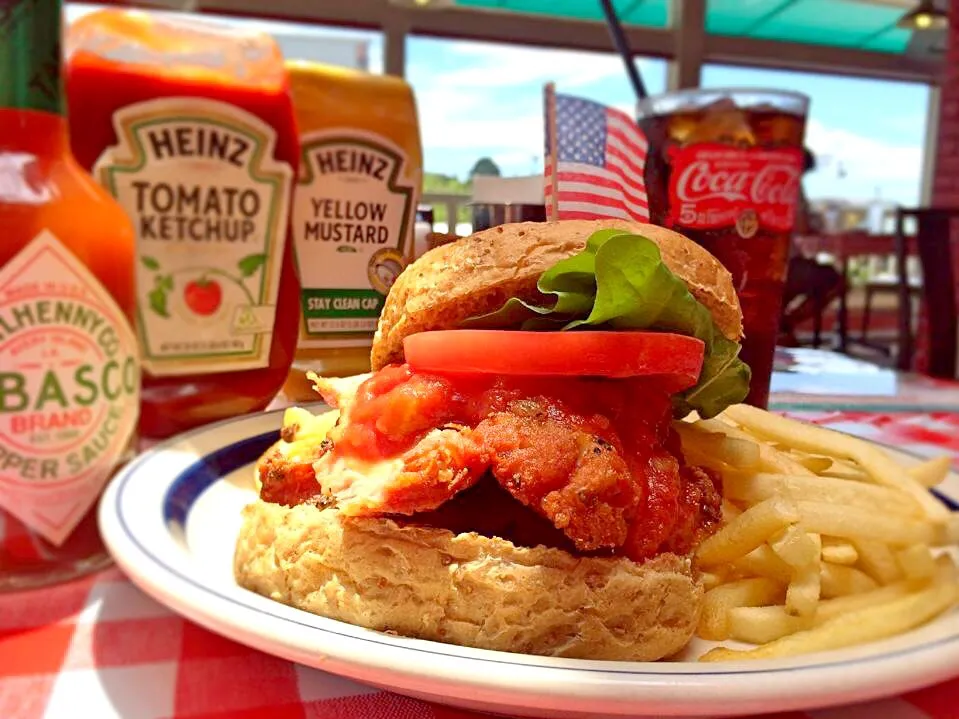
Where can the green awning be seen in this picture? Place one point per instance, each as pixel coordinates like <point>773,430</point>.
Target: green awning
<point>841,23</point>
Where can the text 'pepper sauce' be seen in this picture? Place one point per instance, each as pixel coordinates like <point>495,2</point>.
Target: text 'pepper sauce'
<point>190,126</point>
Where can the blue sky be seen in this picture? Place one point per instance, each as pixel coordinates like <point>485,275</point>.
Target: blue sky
<point>479,99</point>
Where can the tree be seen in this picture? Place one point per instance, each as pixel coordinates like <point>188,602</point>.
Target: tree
<point>485,166</point>
<point>434,182</point>
<point>445,184</point>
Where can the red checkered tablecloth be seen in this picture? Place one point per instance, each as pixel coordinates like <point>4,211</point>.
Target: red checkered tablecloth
<point>100,648</point>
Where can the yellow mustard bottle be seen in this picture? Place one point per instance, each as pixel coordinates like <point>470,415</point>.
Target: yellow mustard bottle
<point>354,208</point>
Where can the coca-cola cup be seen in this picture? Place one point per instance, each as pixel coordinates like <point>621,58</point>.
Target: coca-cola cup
<point>724,168</point>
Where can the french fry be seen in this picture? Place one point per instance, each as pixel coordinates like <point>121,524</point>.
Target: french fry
<point>916,562</point>
<point>730,511</point>
<point>946,569</point>
<point>740,453</point>
<point>851,603</point>
<point>797,548</point>
<point>873,498</point>
<point>869,624</point>
<point>815,463</point>
<point>717,451</point>
<point>838,581</point>
<point>931,472</point>
<point>711,580</point>
<point>770,459</point>
<point>759,625</point>
<point>802,594</point>
<point>763,562</point>
<point>950,533</point>
<point>856,523</point>
<point>838,551</point>
<point>827,539</point>
<point>841,469</point>
<point>811,438</point>
<point>746,532</point>
<point>713,622</point>
<point>877,560</point>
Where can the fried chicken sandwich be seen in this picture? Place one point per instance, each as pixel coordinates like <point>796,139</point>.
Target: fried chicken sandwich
<point>508,476</point>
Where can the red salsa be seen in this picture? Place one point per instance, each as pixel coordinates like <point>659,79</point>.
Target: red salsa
<point>598,457</point>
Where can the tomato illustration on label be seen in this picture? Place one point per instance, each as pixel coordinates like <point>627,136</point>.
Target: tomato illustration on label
<point>203,287</point>
<point>203,296</point>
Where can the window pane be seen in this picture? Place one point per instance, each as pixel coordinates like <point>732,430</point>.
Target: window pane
<point>867,135</point>
<point>359,49</point>
<point>486,100</point>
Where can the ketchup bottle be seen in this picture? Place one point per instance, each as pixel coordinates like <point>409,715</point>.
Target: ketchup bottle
<point>190,126</point>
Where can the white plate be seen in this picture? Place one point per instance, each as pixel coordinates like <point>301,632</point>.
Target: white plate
<point>171,518</point>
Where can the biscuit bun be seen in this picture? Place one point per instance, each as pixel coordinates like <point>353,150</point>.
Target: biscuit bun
<point>477,274</point>
<point>466,589</point>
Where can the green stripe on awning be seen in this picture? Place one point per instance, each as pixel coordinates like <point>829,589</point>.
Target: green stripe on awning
<point>856,24</point>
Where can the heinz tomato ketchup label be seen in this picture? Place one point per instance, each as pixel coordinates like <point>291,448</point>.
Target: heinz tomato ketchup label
<point>210,205</point>
<point>714,185</point>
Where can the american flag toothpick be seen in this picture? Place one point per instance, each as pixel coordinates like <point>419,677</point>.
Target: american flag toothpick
<point>595,161</point>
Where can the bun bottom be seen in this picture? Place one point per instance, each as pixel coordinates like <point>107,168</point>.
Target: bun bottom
<point>466,589</point>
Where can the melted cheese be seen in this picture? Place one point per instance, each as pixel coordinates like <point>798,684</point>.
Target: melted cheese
<point>311,430</point>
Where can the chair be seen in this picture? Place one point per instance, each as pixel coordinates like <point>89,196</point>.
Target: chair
<point>934,245</point>
<point>843,247</point>
<point>885,284</point>
<point>802,283</point>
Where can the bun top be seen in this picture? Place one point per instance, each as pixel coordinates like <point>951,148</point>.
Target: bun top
<point>477,274</point>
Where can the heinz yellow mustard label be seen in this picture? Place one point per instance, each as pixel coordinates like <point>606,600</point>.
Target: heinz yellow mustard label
<point>355,200</point>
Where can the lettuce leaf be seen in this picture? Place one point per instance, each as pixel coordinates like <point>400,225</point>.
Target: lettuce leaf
<point>619,281</point>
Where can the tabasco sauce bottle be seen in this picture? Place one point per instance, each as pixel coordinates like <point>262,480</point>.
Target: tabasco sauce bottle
<point>69,368</point>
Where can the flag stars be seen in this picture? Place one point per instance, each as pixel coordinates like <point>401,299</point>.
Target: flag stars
<point>581,126</point>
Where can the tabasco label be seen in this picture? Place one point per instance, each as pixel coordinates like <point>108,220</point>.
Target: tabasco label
<point>69,387</point>
<point>210,204</point>
<point>714,185</point>
<point>353,216</point>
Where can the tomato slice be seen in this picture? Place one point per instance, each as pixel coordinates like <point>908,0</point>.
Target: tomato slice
<point>677,359</point>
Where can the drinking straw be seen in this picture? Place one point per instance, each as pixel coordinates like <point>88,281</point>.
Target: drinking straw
<point>622,46</point>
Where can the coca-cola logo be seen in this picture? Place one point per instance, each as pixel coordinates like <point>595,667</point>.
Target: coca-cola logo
<point>776,185</point>
<point>700,181</point>
<point>713,184</point>
<point>772,184</point>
